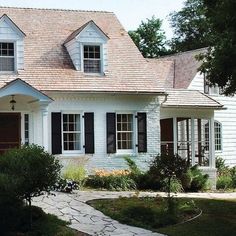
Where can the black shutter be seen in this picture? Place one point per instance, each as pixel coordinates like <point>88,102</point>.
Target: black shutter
<point>111,132</point>
<point>142,132</point>
<point>89,132</point>
<point>56,133</point>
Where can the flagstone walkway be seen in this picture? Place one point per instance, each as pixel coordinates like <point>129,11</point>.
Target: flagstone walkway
<point>73,208</point>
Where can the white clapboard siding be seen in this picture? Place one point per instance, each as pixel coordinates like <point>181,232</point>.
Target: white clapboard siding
<point>73,48</point>
<point>226,117</point>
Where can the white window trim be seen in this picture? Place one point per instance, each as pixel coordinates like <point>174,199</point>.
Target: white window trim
<point>134,137</point>
<point>15,56</point>
<point>68,152</point>
<point>82,44</point>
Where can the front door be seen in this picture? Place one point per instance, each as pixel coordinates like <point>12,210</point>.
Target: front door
<point>9,131</point>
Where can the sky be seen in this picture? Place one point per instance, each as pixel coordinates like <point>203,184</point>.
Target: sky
<point>129,12</point>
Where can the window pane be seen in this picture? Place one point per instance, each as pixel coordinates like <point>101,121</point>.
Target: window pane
<point>71,132</point>
<point>91,66</point>
<point>6,64</point>
<point>26,116</point>
<point>92,59</point>
<point>124,131</point>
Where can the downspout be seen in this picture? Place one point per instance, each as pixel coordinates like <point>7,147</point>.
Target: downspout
<point>174,73</point>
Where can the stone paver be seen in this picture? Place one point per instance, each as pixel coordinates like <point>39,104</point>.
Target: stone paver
<point>73,208</point>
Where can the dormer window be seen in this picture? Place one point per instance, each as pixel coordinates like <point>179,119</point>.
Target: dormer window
<point>87,47</point>
<point>7,57</point>
<point>92,59</point>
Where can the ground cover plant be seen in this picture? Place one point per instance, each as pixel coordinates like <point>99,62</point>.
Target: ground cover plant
<point>218,216</point>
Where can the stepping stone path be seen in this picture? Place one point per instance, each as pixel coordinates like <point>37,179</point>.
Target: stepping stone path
<point>73,208</point>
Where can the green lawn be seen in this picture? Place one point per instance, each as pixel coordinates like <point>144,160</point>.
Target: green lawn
<point>218,218</point>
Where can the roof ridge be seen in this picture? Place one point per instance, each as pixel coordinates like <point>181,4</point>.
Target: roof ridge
<point>180,53</point>
<point>55,9</point>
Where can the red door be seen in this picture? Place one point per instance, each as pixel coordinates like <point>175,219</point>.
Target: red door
<point>9,131</point>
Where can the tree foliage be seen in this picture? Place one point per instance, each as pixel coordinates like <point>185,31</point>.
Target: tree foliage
<point>190,27</point>
<point>150,38</point>
<point>219,62</point>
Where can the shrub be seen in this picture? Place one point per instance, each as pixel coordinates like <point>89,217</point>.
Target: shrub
<point>224,182</point>
<point>233,176</point>
<point>111,180</point>
<point>164,167</point>
<point>28,172</point>
<point>75,173</point>
<point>226,178</point>
<point>175,185</point>
<point>194,180</point>
<point>64,185</point>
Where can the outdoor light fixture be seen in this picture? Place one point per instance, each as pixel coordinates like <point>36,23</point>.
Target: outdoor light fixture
<point>12,102</point>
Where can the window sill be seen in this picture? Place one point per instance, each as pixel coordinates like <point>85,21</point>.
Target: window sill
<point>94,74</point>
<point>125,152</point>
<point>71,153</point>
<point>8,73</point>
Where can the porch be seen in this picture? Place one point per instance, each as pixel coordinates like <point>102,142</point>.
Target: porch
<point>23,116</point>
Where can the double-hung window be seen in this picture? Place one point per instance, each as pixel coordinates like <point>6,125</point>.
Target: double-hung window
<point>92,59</point>
<point>218,135</point>
<point>7,57</point>
<point>124,124</point>
<point>71,132</point>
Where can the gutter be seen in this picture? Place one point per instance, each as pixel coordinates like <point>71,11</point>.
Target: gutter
<point>195,107</point>
<point>108,92</point>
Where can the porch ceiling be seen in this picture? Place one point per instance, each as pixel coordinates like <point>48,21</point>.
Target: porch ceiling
<point>189,99</point>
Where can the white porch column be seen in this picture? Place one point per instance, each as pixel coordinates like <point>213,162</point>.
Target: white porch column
<point>211,143</point>
<point>192,141</point>
<point>44,115</point>
<point>175,134</point>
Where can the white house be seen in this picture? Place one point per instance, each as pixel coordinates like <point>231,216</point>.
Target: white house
<point>75,83</point>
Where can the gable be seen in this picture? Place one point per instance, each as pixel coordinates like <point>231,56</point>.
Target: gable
<point>92,33</point>
<point>9,30</point>
<point>20,87</point>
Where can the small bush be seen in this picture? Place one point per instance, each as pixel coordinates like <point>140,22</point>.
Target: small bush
<point>116,180</point>
<point>194,180</point>
<point>233,176</point>
<point>175,185</point>
<point>28,172</point>
<point>224,182</point>
<point>64,185</point>
<point>75,173</point>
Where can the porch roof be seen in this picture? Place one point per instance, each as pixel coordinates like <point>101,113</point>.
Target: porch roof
<point>190,99</point>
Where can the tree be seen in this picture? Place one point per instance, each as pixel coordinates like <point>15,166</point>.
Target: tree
<point>219,64</point>
<point>190,27</point>
<point>149,38</point>
<point>28,172</point>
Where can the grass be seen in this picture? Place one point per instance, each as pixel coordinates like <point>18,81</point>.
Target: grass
<point>218,217</point>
